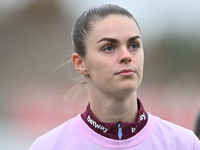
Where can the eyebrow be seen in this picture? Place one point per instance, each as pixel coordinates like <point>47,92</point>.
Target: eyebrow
<point>115,41</point>
<point>107,39</point>
<point>133,38</point>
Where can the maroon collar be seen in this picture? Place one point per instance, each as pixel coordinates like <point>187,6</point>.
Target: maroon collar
<point>119,130</point>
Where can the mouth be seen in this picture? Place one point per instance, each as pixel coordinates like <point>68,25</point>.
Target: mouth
<point>126,72</point>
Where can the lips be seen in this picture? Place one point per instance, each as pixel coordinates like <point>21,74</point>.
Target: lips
<point>126,72</point>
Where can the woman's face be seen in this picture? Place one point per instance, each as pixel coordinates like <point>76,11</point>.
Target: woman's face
<point>114,57</point>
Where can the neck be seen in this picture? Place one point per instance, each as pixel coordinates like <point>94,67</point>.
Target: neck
<point>110,110</point>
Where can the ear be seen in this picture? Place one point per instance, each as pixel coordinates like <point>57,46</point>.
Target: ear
<point>79,64</point>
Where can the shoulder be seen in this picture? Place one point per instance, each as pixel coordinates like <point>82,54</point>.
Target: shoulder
<point>172,134</point>
<point>65,131</point>
<point>66,127</point>
<point>166,126</point>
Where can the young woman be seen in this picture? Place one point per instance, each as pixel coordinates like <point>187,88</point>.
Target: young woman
<point>108,52</point>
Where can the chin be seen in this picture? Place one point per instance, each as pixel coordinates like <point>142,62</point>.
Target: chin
<point>125,92</point>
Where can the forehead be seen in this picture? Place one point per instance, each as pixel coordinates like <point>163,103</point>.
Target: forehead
<point>114,26</point>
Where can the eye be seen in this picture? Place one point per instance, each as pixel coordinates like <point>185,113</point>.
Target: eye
<point>108,48</point>
<point>134,46</point>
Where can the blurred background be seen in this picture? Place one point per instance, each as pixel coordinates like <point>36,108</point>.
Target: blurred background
<point>35,40</point>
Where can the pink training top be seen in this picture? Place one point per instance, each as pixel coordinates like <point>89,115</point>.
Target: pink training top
<point>157,134</point>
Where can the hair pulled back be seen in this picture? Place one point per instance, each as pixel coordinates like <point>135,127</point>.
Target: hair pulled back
<point>83,24</point>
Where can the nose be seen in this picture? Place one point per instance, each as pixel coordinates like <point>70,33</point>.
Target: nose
<point>125,56</point>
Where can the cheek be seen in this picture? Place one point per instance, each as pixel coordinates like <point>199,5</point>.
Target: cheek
<point>139,59</point>
<point>142,62</point>
<point>94,66</point>
<point>99,68</point>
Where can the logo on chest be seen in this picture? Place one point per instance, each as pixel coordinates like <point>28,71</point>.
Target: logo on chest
<point>96,125</point>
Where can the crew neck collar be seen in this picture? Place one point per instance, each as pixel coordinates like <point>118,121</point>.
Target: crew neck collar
<point>118,130</point>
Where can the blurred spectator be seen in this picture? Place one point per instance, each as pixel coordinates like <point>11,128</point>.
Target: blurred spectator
<point>197,128</point>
